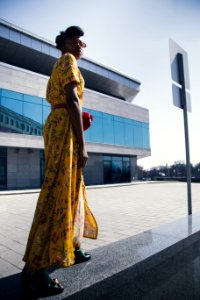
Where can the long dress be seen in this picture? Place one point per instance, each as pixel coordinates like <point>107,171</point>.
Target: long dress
<point>62,216</point>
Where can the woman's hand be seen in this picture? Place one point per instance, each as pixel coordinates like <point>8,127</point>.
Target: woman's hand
<point>83,156</point>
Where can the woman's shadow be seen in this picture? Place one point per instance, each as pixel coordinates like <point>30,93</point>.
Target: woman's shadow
<point>10,287</point>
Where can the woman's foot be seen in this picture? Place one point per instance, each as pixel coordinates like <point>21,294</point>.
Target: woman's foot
<point>81,256</point>
<point>40,283</point>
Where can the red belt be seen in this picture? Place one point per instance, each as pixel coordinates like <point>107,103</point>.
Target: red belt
<point>60,105</point>
<point>87,118</point>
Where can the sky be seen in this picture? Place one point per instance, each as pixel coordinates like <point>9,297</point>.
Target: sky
<point>132,36</point>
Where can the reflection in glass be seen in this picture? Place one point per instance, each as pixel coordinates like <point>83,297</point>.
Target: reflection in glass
<point>18,116</point>
<point>12,105</point>
<point>11,95</point>
<point>115,130</point>
<point>21,113</point>
<point>116,169</point>
<point>45,113</point>
<point>33,112</point>
<point>107,171</point>
<point>97,129</point>
<point>32,99</point>
<point>108,130</point>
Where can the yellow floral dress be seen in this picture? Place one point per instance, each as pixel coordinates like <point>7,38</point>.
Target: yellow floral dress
<point>62,214</point>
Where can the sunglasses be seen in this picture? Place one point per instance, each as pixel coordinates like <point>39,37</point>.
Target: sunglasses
<point>79,43</point>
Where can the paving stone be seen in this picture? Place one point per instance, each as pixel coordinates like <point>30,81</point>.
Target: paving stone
<point>143,207</point>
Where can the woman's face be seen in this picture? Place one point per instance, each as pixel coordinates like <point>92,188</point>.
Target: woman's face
<point>75,46</point>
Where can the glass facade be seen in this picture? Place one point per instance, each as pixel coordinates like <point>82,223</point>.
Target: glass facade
<point>115,130</point>
<point>116,169</point>
<point>21,113</point>
<point>26,114</point>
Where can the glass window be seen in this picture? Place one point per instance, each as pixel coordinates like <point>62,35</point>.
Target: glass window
<point>117,169</point>
<point>108,129</point>
<point>12,95</point>
<point>22,126</point>
<point>32,99</point>
<point>6,120</point>
<point>45,48</point>
<point>87,135</point>
<point>107,171</point>
<point>138,136</point>
<point>119,133</point>
<point>26,40</point>
<point>33,112</point>
<point>36,45</point>
<point>145,135</point>
<point>126,171</point>
<point>12,105</point>
<point>107,157</point>
<point>15,36</point>
<point>96,130</point>
<point>5,32</point>
<point>17,124</point>
<point>117,158</point>
<point>128,137</point>
<point>46,112</point>
<point>126,158</point>
<point>54,52</point>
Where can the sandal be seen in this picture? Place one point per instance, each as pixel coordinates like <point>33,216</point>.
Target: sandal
<point>53,288</point>
<point>40,283</point>
<point>81,256</point>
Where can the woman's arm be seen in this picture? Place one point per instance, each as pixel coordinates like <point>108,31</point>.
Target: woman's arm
<point>75,113</point>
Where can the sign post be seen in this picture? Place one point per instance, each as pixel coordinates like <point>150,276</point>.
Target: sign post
<point>181,98</point>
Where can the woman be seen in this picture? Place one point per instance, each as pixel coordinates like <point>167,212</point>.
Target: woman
<point>62,215</point>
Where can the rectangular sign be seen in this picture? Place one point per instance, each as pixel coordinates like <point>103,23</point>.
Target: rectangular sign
<point>177,97</point>
<point>180,76</point>
<point>174,49</point>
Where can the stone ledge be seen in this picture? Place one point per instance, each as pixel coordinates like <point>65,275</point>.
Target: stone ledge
<point>115,266</point>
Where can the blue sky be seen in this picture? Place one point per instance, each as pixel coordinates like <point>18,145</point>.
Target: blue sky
<point>132,36</point>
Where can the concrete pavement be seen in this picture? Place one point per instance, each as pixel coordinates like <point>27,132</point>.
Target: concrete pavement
<point>121,211</point>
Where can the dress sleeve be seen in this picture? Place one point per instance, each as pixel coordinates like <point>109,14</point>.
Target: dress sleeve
<point>68,69</point>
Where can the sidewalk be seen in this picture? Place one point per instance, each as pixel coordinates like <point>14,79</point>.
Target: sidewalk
<point>120,211</point>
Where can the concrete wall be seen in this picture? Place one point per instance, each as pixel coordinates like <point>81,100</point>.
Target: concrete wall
<point>23,168</point>
<point>114,106</point>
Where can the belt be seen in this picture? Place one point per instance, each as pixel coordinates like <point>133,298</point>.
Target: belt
<point>60,105</point>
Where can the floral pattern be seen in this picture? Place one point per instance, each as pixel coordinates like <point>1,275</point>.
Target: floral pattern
<point>62,214</point>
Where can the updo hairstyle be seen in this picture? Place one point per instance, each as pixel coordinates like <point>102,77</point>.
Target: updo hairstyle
<point>72,31</point>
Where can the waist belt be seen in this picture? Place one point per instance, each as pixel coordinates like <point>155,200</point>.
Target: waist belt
<point>60,105</point>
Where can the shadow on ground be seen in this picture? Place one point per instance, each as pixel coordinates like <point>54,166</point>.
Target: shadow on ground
<point>10,287</point>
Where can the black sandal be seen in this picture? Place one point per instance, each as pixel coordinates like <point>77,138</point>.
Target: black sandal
<point>81,256</point>
<point>40,283</point>
<point>53,288</point>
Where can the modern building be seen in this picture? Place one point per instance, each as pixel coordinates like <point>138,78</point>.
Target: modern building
<point>118,136</point>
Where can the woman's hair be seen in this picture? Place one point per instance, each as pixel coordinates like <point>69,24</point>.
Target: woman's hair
<point>72,31</point>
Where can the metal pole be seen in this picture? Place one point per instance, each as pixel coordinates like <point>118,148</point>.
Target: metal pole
<point>187,148</point>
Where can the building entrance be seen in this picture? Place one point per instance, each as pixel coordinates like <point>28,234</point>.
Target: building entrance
<point>116,169</point>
